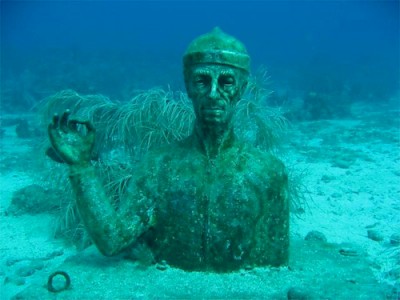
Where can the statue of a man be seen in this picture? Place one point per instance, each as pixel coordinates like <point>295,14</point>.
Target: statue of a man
<point>209,202</point>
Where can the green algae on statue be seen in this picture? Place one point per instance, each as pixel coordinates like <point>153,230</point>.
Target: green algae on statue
<point>209,202</point>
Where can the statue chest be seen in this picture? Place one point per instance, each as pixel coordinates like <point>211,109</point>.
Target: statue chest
<point>207,211</point>
<point>215,190</point>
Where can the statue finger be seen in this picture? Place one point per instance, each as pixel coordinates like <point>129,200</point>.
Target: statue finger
<point>64,120</point>
<point>53,133</point>
<point>90,129</point>
<point>55,122</point>
<point>53,127</point>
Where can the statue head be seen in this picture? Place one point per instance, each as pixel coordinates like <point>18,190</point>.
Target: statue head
<point>216,71</point>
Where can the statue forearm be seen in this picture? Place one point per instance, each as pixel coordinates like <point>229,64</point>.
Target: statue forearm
<point>110,231</point>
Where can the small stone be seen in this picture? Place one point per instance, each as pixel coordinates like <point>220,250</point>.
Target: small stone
<point>327,178</point>
<point>395,239</point>
<point>162,265</point>
<point>372,225</point>
<point>296,293</point>
<point>351,280</point>
<point>336,195</point>
<point>375,235</point>
<point>315,235</point>
<point>346,251</point>
<point>341,163</point>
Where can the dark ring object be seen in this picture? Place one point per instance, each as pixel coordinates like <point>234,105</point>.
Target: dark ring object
<point>50,286</point>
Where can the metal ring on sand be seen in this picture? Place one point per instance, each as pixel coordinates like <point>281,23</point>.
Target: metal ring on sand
<point>66,285</point>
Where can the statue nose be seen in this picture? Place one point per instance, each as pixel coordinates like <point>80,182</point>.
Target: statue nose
<point>214,94</point>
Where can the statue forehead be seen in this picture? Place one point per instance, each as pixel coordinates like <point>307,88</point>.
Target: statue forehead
<point>217,47</point>
<point>213,69</point>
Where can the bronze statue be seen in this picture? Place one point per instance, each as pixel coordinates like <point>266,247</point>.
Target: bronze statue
<point>208,202</point>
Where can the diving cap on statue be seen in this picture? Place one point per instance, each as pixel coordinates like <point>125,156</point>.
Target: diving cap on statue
<point>217,47</point>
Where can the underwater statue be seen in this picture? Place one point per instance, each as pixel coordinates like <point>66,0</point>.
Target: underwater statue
<point>209,202</point>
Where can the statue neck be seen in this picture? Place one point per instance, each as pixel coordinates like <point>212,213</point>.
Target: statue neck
<point>212,139</point>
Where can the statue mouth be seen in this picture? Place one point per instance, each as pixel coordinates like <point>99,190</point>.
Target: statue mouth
<point>213,112</point>
<point>213,109</point>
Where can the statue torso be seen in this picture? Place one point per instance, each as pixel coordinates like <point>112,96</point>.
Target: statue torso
<point>216,213</point>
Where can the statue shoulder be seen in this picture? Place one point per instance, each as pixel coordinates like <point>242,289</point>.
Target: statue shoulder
<point>267,162</point>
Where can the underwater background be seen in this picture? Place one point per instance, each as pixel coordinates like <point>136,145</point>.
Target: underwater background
<point>331,71</point>
<point>112,47</point>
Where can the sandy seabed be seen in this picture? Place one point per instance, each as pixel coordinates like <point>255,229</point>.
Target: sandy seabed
<point>351,171</point>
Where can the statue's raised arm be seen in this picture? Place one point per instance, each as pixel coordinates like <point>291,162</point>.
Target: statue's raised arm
<point>110,231</point>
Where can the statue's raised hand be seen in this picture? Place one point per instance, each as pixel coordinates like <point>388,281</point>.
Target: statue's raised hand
<point>72,140</point>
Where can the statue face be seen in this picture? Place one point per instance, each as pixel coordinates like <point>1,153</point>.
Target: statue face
<point>214,91</point>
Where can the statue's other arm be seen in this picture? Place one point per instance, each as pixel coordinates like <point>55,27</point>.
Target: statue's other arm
<point>278,211</point>
<point>272,240</point>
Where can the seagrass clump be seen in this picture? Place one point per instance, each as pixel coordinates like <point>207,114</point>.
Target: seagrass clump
<point>256,122</point>
<point>125,131</point>
<point>151,117</point>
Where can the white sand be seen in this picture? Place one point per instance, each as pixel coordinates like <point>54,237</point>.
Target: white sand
<point>351,171</point>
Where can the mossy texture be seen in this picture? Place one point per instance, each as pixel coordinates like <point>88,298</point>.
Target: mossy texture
<point>220,213</point>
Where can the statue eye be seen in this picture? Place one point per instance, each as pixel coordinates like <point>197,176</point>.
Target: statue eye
<point>201,81</point>
<point>226,81</point>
